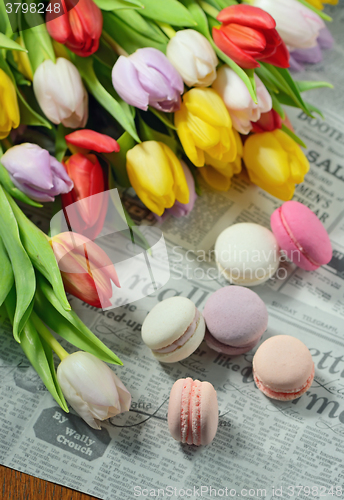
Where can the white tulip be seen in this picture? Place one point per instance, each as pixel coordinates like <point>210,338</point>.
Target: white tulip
<point>238,101</point>
<point>92,388</point>
<point>193,57</point>
<point>297,25</point>
<point>60,93</point>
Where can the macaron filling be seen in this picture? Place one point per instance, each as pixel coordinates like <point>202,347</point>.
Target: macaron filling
<point>184,338</point>
<point>232,349</point>
<point>294,240</point>
<point>291,394</point>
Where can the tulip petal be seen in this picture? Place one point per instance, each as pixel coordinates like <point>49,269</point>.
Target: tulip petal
<point>89,139</point>
<point>127,84</point>
<point>215,179</point>
<point>195,154</point>
<point>180,186</point>
<point>244,37</point>
<point>238,55</point>
<point>246,15</point>
<point>207,105</point>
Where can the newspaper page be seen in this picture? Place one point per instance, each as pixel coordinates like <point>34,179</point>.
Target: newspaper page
<point>263,448</point>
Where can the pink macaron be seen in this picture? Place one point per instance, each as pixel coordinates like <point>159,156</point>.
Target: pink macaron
<point>236,318</point>
<point>301,235</point>
<point>283,368</point>
<point>193,412</point>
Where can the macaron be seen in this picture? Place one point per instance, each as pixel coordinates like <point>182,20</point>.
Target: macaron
<point>283,368</point>
<point>193,412</point>
<point>301,235</point>
<point>173,329</point>
<point>247,254</point>
<point>236,318</point>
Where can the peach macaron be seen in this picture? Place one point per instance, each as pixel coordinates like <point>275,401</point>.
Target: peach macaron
<point>283,368</point>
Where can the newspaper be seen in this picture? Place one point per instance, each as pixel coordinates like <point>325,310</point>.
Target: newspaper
<point>263,448</point>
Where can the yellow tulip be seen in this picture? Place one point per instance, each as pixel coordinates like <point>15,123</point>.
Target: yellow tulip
<point>220,174</point>
<point>319,3</point>
<point>275,163</point>
<point>9,115</point>
<point>205,128</point>
<point>157,176</point>
<point>22,60</point>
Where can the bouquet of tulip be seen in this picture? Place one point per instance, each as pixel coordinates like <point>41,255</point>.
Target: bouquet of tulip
<point>189,89</point>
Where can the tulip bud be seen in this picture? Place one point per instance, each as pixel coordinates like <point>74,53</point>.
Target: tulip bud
<point>86,270</point>
<point>88,140</point>
<point>267,122</point>
<point>193,57</point>
<point>318,4</point>
<point>298,26</point>
<point>86,211</point>
<point>157,176</point>
<point>275,163</point>
<point>147,78</point>
<point>248,35</point>
<point>35,172</point>
<point>22,60</point>
<point>79,28</point>
<point>238,101</point>
<point>92,388</point>
<point>9,117</point>
<point>60,93</point>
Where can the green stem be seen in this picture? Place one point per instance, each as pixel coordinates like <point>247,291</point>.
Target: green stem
<point>114,45</point>
<point>208,9</point>
<point>167,29</point>
<point>48,337</point>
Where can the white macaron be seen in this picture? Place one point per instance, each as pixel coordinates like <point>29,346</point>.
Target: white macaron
<point>247,254</point>
<point>173,329</point>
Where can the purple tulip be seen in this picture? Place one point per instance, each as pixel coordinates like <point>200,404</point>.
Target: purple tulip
<point>35,172</point>
<point>181,209</point>
<point>148,78</point>
<point>313,55</point>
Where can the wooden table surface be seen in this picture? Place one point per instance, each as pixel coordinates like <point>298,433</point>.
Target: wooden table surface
<point>18,486</point>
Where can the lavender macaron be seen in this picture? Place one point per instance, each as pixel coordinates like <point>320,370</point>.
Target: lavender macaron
<point>236,318</point>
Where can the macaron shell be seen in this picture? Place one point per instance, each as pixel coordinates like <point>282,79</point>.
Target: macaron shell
<point>209,413</point>
<point>185,350</point>
<point>193,412</point>
<point>235,316</point>
<point>167,322</point>
<point>283,364</point>
<point>296,226</point>
<point>247,254</point>
<point>226,349</point>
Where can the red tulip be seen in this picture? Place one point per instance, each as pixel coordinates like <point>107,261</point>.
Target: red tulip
<point>79,28</point>
<point>268,122</point>
<point>86,270</point>
<point>248,34</point>
<point>87,202</point>
<point>90,140</point>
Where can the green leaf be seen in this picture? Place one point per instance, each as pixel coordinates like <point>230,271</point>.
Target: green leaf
<point>314,109</point>
<point>68,325</point>
<point>317,11</point>
<point>9,44</point>
<point>37,28</point>
<point>293,136</point>
<point>85,67</point>
<point>168,11</point>
<point>126,36</point>
<point>226,3</point>
<point>24,275</point>
<point>198,16</point>
<point>118,161</point>
<point>38,353</point>
<point>269,80</point>
<point>6,182</point>
<point>145,27</point>
<point>303,86</point>
<point>6,273</point>
<point>289,86</point>
<point>40,252</point>
<point>5,25</point>
<point>118,4</point>
<point>277,106</point>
